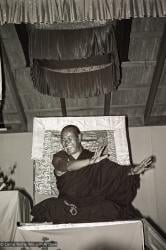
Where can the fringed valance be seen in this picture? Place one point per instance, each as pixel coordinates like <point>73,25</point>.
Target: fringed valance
<point>67,64</point>
<point>67,11</point>
<point>69,26</point>
<point>74,63</point>
<point>71,44</point>
<point>75,82</point>
<point>78,70</point>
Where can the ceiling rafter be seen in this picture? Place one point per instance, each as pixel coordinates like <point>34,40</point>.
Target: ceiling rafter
<point>156,79</point>
<point>107,102</point>
<point>63,106</point>
<point>14,91</point>
<point>159,120</point>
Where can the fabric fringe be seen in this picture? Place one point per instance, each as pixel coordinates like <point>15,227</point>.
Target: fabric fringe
<point>79,63</point>
<point>73,85</point>
<point>55,11</point>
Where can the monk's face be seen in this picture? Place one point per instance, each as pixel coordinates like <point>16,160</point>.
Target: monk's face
<point>71,142</point>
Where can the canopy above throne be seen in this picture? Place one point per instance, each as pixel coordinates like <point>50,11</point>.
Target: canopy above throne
<point>53,16</point>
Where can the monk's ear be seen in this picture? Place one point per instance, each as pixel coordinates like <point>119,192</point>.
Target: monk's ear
<point>80,137</point>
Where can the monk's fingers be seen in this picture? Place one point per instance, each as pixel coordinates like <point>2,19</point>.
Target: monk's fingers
<point>96,157</point>
<point>147,165</point>
<point>148,161</point>
<point>99,151</point>
<point>150,166</point>
<point>96,154</point>
<point>141,167</point>
<point>146,169</point>
<point>101,158</point>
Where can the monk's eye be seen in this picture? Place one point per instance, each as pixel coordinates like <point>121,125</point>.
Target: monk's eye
<point>67,140</point>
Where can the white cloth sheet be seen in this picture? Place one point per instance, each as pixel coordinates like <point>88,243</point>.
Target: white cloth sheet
<point>14,207</point>
<point>109,235</point>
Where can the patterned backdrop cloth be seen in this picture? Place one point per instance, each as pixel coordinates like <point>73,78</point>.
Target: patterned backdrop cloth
<point>96,131</point>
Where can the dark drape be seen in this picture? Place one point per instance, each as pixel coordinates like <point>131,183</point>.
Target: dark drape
<point>74,63</point>
<point>71,44</point>
<point>82,84</point>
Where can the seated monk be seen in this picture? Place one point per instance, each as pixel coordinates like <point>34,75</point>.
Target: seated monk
<point>91,187</point>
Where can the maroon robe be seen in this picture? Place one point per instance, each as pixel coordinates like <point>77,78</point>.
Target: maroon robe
<point>100,192</point>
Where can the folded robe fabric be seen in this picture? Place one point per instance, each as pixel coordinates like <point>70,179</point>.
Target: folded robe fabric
<point>100,192</point>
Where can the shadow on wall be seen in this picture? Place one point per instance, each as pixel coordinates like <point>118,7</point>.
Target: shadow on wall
<point>26,194</point>
<point>7,183</point>
<point>156,227</point>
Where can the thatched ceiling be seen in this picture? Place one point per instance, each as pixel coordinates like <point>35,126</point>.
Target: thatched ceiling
<point>141,95</point>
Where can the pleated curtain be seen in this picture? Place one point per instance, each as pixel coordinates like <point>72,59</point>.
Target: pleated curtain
<point>58,11</point>
<point>74,63</point>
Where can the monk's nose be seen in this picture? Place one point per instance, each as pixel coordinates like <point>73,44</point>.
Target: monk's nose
<point>67,142</point>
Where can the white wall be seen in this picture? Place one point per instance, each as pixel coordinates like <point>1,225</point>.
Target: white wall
<point>16,148</point>
<point>145,141</point>
<point>151,197</point>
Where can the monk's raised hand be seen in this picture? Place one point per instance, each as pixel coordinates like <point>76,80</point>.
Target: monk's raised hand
<point>143,166</point>
<point>98,156</point>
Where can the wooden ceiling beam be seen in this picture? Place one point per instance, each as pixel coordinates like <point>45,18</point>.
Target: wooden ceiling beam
<point>131,64</point>
<point>135,87</point>
<point>157,120</point>
<point>12,85</point>
<point>145,34</point>
<point>63,106</point>
<point>11,127</point>
<point>107,102</point>
<point>156,79</point>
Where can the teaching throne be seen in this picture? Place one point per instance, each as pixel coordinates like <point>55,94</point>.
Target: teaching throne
<point>96,131</point>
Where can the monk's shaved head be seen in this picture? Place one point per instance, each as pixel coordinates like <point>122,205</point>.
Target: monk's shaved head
<point>72,128</point>
<point>71,140</point>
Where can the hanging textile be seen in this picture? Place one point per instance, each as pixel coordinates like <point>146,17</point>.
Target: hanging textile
<point>55,11</point>
<point>79,78</point>
<point>74,63</point>
<point>71,44</point>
